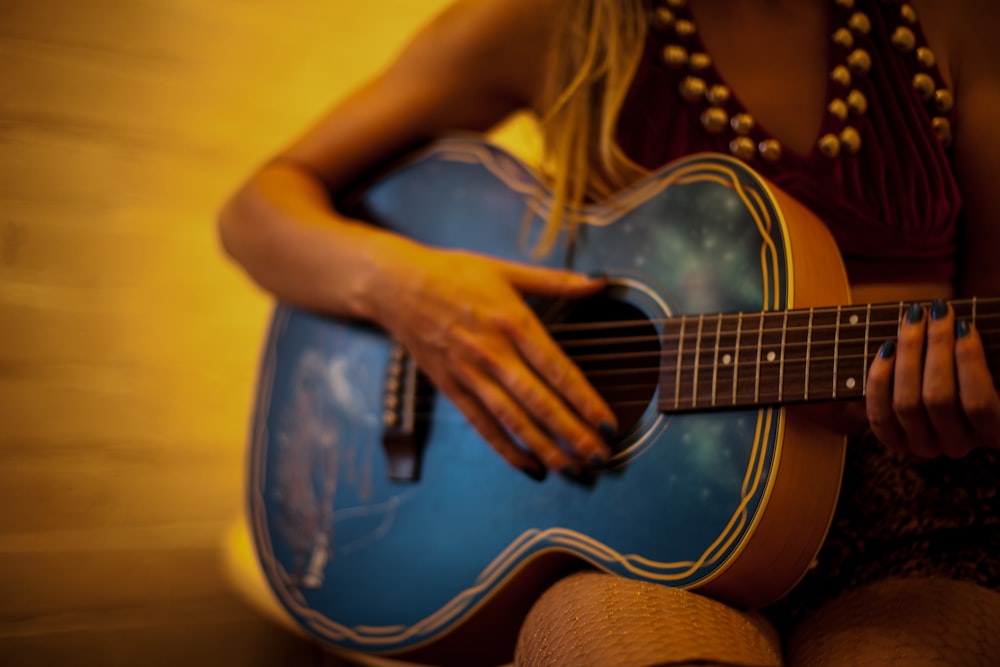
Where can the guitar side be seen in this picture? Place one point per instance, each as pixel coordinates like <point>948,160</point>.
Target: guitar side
<point>734,504</point>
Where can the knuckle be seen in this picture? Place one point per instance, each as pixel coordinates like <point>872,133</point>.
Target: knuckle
<point>907,408</point>
<point>939,399</point>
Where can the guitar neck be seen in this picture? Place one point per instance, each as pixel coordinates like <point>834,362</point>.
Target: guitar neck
<point>793,356</point>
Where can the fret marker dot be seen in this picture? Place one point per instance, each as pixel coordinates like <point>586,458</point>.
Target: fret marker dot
<point>851,383</point>
<point>727,359</point>
<point>853,319</point>
<point>771,356</point>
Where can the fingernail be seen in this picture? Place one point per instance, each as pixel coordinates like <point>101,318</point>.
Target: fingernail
<point>939,309</point>
<point>537,473</point>
<point>914,313</point>
<point>888,349</point>
<point>598,462</point>
<point>607,430</point>
<point>582,477</point>
<point>961,329</point>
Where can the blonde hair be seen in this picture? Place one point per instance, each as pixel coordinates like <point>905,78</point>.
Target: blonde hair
<point>592,61</point>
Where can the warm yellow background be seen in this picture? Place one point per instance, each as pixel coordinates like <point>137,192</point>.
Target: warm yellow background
<point>127,342</point>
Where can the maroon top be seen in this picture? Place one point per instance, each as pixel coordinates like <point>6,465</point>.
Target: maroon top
<point>892,206</point>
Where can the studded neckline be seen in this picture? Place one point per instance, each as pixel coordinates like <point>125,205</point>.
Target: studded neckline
<point>847,91</point>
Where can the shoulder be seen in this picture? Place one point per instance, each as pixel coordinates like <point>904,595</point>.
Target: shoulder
<point>965,34</point>
<point>500,44</point>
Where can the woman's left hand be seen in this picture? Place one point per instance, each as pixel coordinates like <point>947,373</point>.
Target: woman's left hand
<point>930,392</point>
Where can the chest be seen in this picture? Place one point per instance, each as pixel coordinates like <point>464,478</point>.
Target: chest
<point>775,58</point>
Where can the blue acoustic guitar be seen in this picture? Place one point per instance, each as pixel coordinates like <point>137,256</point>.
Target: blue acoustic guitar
<point>385,525</point>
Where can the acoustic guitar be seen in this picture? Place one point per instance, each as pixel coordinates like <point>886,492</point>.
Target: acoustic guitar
<point>384,524</point>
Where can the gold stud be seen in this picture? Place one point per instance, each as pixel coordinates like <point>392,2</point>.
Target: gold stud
<point>843,37</point>
<point>846,4</point>
<point>675,56</point>
<point>841,75</point>
<point>692,89</point>
<point>942,128</point>
<point>684,28</point>
<point>700,61</point>
<point>859,61</point>
<point>837,108</point>
<point>943,100</point>
<point>850,139</point>
<point>663,18</point>
<point>925,57</point>
<point>829,145</point>
<point>860,23</point>
<point>742,123</point>
<point>717,95</point>
<point>924,85</point>
<point>907,13</point>
<point>743,148</point>
<point>770,150</point>
<point>676,4</point>
<point>857,101</point>
<point>714,119</point>
<point>904,39</point>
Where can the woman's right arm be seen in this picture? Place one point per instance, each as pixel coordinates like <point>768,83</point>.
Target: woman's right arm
<point>460,315</point>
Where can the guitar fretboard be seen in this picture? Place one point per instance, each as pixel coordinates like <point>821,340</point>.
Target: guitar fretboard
<point>794,356</point>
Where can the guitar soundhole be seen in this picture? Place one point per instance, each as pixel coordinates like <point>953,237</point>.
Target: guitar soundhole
<point>617,348</point>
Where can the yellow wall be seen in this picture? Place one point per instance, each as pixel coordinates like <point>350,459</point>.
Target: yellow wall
<point>127,342</point>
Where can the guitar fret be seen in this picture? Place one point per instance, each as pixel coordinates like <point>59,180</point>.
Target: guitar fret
<point>736,360</point>
<point>781,367</point>
<point>795,356</point>
<point>697,360</point>
<point>715,366</point>
<point>809,338</point>
<point>836,352</point>
<point>680,363</point>
<point>760,346</point>
<point>868,328</point>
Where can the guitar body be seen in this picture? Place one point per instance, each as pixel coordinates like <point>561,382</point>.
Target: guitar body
<point>733,503</point>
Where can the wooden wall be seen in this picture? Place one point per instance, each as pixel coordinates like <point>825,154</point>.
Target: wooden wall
<point>127,342</point>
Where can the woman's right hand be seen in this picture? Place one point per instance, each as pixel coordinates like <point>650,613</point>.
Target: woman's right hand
<point>463,318</point>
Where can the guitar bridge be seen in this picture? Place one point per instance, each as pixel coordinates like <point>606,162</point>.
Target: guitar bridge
<point>405,415</point>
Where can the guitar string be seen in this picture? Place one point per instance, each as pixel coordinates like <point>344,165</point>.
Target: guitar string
<point>895,308</point>
<point>817,384</point>
<point>770,370</point>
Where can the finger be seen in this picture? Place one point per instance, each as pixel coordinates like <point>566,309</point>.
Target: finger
<point>939,391</point>
<point>976,388</point>
<point>492,431</point>
<point>507,411</point>
<point>559,374</point>
<point>535,280</point>
<point>907,391</point>
<point>540,403</point>
<point>878,399</point>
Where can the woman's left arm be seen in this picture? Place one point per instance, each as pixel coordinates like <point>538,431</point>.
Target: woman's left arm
<point>930,392</point>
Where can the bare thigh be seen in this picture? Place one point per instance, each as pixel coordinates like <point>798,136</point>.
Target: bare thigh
<point>913,622</point>
<point>597,620</point>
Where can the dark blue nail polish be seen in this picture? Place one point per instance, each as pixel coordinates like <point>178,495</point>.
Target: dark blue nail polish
<point>582,477</point>
<point>537,473</point>
<point>939,309</point>
<point>888,349</point>
<point>607,430</point>
<point>961,329</point>
<point>598,462</point>
<point>914,313</point>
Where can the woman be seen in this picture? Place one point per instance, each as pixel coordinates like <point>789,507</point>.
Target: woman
<point>630,85</point>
